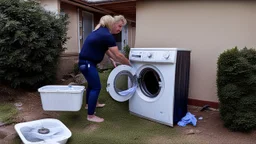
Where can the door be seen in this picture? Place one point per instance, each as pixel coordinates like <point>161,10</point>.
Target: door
<point>87,24</point>
<point>122,83</point>
<point>124,36</point>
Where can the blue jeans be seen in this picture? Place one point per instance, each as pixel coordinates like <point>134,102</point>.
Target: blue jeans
<point>91,74</point>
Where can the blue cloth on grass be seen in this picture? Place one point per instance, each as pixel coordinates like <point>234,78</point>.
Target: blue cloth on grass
<point>187,119</point>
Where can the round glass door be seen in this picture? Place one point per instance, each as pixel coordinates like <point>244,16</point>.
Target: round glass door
<point>149,82</point>
<point>122,83</point>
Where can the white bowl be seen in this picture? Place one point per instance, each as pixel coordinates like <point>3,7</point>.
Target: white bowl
<point>28,132</point>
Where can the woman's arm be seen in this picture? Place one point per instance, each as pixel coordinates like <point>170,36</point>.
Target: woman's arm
<point>117,56</point>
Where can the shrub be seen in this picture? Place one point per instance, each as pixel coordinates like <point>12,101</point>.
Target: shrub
<point>31,41</point>
<point>76,69</point>
<point>236,85</point>
<point>126,50</point>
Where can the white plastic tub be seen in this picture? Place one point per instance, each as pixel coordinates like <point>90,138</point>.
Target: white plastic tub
<point>28,132</point>
<point>61,97</point>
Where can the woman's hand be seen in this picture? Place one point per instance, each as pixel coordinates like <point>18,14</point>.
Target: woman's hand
<point>113,62</point>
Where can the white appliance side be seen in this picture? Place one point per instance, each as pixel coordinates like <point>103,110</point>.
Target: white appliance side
<point>162,109</point>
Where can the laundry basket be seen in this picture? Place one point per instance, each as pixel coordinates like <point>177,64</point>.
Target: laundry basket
<point>61,97</point>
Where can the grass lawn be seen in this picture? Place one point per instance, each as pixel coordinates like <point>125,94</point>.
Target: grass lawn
<point>119,125</point>
<point>7,113</point>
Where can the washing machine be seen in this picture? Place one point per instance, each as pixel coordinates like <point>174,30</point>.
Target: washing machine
<point>156,84</point>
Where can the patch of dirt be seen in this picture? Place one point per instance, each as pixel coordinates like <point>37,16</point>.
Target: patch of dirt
<point>28,104</point>
<point>91,128</point>
<point>208,130</point>
<point>29,108</point>
<point>211,129</point>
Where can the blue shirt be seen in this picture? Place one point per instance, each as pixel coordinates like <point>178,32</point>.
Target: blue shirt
<point>96,45</point>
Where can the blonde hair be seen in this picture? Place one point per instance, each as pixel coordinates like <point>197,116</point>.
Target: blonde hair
<point>105,21</point>
<point>120,18</point>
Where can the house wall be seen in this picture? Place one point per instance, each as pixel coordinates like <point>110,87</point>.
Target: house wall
<point>72,43</point>
<point>81,41</point>
<point>131,35</point>
<point>206,27</point>
<point>57,6</point>
<point>70,56</point>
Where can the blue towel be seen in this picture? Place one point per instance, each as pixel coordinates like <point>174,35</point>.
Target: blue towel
<point>188,118</point>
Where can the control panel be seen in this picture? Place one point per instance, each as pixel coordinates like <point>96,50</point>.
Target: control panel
<point>161,56</point>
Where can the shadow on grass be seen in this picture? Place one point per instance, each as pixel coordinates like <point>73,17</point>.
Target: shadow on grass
<point>119,125</point>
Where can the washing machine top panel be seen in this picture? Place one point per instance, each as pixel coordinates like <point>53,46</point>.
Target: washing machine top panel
<point>152,55</point>
<point>160,49</point>
<point>122,83</point>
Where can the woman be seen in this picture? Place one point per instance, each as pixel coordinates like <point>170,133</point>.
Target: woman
<point>96,45</point>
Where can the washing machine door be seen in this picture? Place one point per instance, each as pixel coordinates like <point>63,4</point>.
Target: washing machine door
<point>122,83</point>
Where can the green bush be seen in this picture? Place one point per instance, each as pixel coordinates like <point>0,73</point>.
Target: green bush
<point>31,41</point>
<point>236,85</point>
<point>126,50</point>
<point>76,69</point>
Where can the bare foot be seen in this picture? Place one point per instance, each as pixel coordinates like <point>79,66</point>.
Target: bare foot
<point>94,118</point>
<point>98,105</point>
